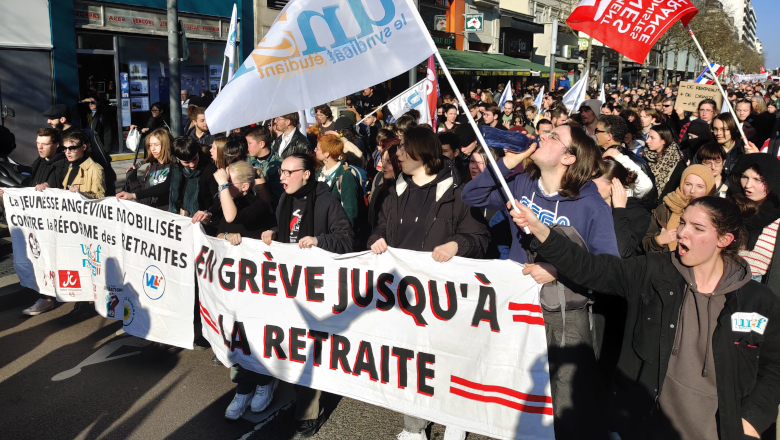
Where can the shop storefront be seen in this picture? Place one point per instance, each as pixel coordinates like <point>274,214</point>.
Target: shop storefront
<point>517,35</point>
<point>122,57</point>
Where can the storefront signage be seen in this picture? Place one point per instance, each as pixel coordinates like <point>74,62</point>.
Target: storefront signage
<point>474,22</point>
<point>94,16</point>
<point>444,41</point>
<point>124,88</point>
<point>440,22</point>
<point>488,72</point>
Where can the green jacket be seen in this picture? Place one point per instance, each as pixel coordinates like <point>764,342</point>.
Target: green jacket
<point>270,169</point>
<point>345,187</point>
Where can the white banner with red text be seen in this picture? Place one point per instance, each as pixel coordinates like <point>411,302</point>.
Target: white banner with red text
<point>132,261</point>
<point>459,343</point>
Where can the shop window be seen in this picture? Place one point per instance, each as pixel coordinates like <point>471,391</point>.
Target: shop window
<point>277,4</point>
<point>95,41</point>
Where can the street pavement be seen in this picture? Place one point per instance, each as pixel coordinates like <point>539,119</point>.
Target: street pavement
<point>80,380</point>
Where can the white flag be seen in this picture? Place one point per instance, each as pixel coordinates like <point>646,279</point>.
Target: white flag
<point>602,95</point>
<point>413,98</point>
<point>230,48</point>
<point>317,51</point>
<point>506,96</point>
<point>576,95</point>
<point>538,101</point>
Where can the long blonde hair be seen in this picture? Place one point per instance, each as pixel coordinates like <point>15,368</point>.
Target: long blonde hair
<point>165,138</point>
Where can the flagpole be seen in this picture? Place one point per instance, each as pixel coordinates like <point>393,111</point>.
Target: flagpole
<point>224,60</point>
<point>482,142</point>
<point>717,81</point>
<point>394,98</point>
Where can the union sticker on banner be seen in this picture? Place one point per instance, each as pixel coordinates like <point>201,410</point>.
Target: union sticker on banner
<point>312,53</point>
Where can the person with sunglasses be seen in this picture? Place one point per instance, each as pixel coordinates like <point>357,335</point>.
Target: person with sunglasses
<point>557,186</point>
<point>97,121</point>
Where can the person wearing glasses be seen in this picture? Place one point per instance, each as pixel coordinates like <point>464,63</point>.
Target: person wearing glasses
<point>557,186</point>
<point>82,175</point>
<point>310,215</point>
<point>154,122</point>
<point>699,131</point>
<point>713,156</point>
<point>610,133</point>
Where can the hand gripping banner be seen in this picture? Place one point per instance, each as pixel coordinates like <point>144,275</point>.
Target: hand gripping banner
<point>133,261</point>
<point>459,343</point>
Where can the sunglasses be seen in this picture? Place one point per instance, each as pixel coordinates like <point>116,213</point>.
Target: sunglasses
<point>73,148</point>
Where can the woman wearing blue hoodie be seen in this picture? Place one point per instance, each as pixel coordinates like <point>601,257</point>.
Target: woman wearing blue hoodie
<point>556,186</point>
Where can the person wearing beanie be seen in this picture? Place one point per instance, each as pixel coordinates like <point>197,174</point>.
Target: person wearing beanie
<point>697,181</point>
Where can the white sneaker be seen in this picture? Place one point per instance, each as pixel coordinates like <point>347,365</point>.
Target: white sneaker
<point>238,406</point>
<point>43,305</point>
<point>453,433</point>
<point>264,395</point>
<point>406,435</point>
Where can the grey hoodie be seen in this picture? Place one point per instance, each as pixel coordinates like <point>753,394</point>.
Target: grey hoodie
<point>689,398</point>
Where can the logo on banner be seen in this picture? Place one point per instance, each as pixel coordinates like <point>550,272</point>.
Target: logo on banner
<point>93,258</point>
<point>129,312</point>
<point>69,280</point>
<point>49,277</point>
<point>112,300</point>
<point>154,282</point>
<point>35,248</point>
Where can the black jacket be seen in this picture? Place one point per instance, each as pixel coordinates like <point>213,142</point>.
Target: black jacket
<point>207,139</point>
<point>49,170</point>
<point>331,224</point>
<point>747,364</point>
<point>449,218</point>
<point>631,224</point>
<point>298,144</point>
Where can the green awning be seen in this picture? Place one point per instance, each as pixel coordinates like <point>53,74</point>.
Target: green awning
<point>482,64</point>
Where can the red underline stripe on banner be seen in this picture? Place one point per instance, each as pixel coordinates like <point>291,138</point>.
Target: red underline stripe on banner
<point>525,307</point>
<point>514,405</point>
<point>207,317</point>
<point>499,389</point>
<point>534,320</point>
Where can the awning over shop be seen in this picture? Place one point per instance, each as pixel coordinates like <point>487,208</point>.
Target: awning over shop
<point>482,64</point>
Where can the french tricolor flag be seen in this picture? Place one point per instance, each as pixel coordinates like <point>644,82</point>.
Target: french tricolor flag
<point>706,77</point>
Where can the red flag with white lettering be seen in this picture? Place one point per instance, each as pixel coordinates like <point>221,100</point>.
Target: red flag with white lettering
<point>631,27</point>
<point>432,90</point>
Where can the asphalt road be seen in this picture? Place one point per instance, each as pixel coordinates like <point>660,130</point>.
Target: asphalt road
<point>79,380</point>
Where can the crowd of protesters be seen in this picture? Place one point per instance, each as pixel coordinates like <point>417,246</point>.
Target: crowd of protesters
<point>665,228</point>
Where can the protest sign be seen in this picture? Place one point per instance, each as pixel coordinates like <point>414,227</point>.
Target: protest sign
<point>133,261</point>
<point>460,343</point>
<point>317,51</point>
<point>690,94</point>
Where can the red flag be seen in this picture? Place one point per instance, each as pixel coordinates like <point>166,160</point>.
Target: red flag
<point>631,27</point>
<point>432,91</point>
<point>762,70</point>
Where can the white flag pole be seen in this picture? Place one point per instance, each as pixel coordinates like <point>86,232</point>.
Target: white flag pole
<point>394,98</point>
<point>224,60</point>
<point>717,81</point>
<point>482,142</point>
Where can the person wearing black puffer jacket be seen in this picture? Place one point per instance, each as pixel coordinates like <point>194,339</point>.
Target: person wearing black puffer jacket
<point>700,357</point>
<point>424,212</point>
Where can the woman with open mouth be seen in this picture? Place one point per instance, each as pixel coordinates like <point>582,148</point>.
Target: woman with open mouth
<point>701,346</point>
<point>758,177</point>
<point>661,236</point>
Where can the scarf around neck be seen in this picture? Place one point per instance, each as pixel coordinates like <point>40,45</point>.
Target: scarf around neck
<point>185,194</point>
<point>662,167</point>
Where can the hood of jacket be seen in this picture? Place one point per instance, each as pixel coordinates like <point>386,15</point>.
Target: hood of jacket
<point>445,179</point>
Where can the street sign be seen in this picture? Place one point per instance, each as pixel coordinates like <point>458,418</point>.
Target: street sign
<point>440,23</point>
<point>474,22</point>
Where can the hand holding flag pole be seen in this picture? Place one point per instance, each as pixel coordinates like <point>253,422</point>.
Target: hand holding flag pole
<point>481,139</point>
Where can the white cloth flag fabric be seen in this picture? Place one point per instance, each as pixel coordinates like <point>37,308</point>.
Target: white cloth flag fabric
<point>133,261</point>
<point>320,50</point>
<point>506,96</point>
<point>539,100</point>
<point>576,95</point>
<point>459,343</point>
<point>230,48</point>
<point>602,95</point>
<point>414,97</point>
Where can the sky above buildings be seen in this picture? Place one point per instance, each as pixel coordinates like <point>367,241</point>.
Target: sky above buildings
<point>768,31</point>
